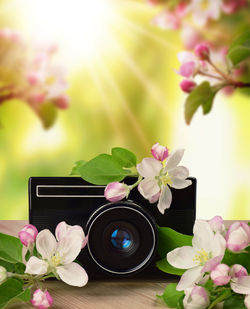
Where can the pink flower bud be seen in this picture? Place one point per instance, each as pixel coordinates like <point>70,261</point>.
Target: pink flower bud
<point>232,6</point>
<point>216,224</point>
<point>247,301</point>
<point>62,102</point>
<point>159,152</point>
<point>219,274</point>
<point>41,300</point>
<point>116,191</point>
<point>202,51</point>
<point>196,298</point>
<point>33,78</point>
<point>237,271</point>
<point>238,236</point>
<point>28,234</point>
<point>187,85</point>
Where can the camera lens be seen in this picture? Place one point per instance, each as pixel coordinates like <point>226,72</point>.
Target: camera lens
<point>122,237</point>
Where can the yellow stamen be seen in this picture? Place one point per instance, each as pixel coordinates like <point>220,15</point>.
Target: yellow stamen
<point>166,180</point>
<point>56,259</point>
<point>202,257</point>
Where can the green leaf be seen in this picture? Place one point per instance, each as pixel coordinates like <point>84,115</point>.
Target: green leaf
<point>10,249</point>
<point>180,303</point>
<point>170,296</point>
<point>209,285</point>
<point>170,239</point>
<point>234,301</point>
<point>10,267</point>
<point>243,259</point>
<point>78,164</point>
<point>164,266</point>
<point>48,114</point>
<point>240,48</point>
<point>124,157</point>
<point>19,268</point>
<point>12,291</point>
<point>203,95</point>
<point>102,170</point>
<point>27,256</point>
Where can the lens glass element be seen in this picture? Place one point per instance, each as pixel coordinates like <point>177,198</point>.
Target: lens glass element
<point>121,239</point>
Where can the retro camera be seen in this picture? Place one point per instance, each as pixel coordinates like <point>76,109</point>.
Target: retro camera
<point>122,236</point>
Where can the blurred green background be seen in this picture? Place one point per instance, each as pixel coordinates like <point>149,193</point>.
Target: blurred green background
<point>124,92</point>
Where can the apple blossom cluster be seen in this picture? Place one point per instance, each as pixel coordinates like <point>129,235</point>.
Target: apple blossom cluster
<point>48,257</point>
<point>217,265</point>
<point>216,53</point>
<point>28,74</point>
<point>156,175</point>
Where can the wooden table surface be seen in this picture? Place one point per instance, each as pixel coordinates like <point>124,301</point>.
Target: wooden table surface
<point>98,294</point>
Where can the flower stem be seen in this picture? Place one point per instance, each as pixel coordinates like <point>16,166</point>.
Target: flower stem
<point>220,298</point>
<point>136,183</point>
<point>225,77</point>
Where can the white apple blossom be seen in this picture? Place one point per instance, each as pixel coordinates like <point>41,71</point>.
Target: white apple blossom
<point>206,252</point>
<point>58,257</point>
<point>158,178</point>
<point>241,285</point>
<point>203,10</point>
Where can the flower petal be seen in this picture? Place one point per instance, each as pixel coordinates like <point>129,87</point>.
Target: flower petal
<point>182,257</point>
<point>212,263</point>
<point>180,172</point>
<point>36,266</point>
<point>219,245</point>
<point>165,199</point>
<point>46,244</point>
<point>149,167</point>
<point>174,159</point>
<point>241,285</point>
<point>148,187</point>
<point>73,274</point>
<point>189,278</point>
<point>69,248</point>
<point>180,183</point>
<point>203,236</point>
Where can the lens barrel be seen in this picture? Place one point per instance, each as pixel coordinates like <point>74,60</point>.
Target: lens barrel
<point>122,237</point>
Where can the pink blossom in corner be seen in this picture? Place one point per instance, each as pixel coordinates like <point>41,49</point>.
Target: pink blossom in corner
<point>232,6</point>
<point>116,191</point>
<point>167,20</point>
<point>41,300</point>
<point>202,51</point>
<point>237,271</point>
<point>187,85</point>
<point>238,236</point>
<point>28,234</point>
<point>220,275</point>
<point>159,152</point>
<point>196,298</point>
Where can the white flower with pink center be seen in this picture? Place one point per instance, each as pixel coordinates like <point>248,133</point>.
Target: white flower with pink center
<point>58,257</point>
<point>196,298</point>
<point>206,252</point>
<point>158,178</point>
<point>41,300</point>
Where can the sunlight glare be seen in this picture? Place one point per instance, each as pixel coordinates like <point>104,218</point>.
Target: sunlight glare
<point>80,27</point>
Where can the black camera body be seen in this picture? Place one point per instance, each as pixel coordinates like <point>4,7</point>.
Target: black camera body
<point>122,236</point>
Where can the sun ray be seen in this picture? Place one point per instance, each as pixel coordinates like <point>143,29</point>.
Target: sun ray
<point>135,27</point>
<point>134,122</point>
<point>105,103</point>
<point>150,87</point>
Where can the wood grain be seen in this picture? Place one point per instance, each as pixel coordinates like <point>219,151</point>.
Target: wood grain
<point>98,294</point>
